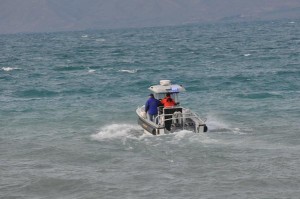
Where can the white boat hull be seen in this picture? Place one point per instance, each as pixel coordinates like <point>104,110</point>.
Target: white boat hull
<point>171,124</point>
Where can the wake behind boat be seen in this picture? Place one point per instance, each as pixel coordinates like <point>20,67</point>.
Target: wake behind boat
<point>170,119</point>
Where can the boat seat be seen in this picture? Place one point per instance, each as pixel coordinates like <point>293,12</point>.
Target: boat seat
<point>172,110</point>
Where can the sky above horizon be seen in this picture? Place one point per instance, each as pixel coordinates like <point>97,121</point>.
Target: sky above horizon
<point>64,15</point>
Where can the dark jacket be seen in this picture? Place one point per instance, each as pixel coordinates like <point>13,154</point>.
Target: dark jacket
<point>151,106</point>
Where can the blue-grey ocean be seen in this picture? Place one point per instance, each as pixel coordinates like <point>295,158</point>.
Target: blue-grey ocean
<point>68,127</point>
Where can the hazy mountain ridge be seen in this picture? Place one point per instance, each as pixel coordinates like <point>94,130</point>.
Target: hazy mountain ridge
<point>62,15</point>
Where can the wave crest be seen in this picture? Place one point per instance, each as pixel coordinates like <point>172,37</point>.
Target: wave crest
<point>128,71</point>
<point>7,69</point>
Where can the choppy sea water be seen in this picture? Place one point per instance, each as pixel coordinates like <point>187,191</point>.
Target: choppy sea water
<point>68,127</point>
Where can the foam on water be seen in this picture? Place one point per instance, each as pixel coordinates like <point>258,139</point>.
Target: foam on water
<point>100,40</point>
<point>91,70</point>
<point>184,136</point>
<point>128,71</point>
<point>7,69</point>
<point>117,131</point>
<point>216,124</point>
<point>123,132</point>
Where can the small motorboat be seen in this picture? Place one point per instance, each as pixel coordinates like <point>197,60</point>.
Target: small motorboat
<point>170,119</point>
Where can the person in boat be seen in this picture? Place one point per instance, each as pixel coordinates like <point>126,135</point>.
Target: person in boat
<point>168,101</point>
<point>151,107</point>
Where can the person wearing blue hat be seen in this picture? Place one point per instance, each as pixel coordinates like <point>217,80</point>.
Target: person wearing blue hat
<point>151,107</point>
